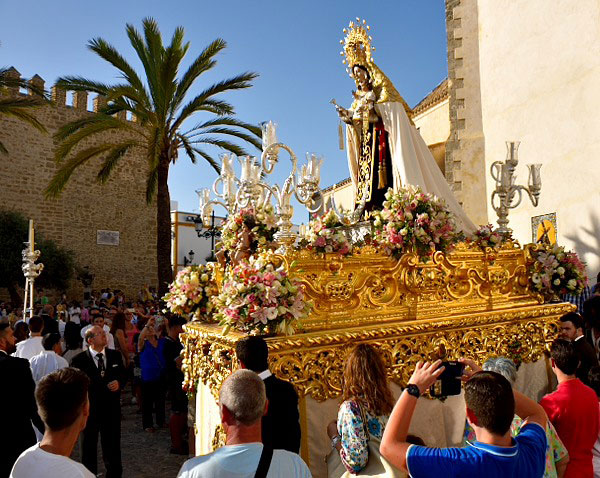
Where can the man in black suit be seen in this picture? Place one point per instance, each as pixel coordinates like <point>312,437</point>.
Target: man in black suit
<point>281,424</point>
<point>571,328</point>
<point>17,402</point>
<point>50,323</point>
<point>107,375</point>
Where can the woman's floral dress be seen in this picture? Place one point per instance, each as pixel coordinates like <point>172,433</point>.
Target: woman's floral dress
<point>355,442</point>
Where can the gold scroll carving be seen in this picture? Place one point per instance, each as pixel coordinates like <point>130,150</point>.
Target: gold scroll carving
<point>470,303</point>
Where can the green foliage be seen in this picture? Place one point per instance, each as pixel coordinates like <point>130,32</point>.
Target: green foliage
<point>59,264</point>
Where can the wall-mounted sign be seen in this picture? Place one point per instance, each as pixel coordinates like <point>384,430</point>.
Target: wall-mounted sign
<point>543,229</point>
<point>107,238</point>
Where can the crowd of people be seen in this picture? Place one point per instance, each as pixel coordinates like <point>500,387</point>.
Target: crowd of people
<point>129,351</point>
<point>80,393</point>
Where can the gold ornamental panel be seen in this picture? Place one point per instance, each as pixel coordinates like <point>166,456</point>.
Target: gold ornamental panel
<point>313,361</point>
<point>470,302</point>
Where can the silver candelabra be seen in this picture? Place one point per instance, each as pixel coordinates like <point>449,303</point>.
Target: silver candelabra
<point>252,190</point>
<point>507,194</point>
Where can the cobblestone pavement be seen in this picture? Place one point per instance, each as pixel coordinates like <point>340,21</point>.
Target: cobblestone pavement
<point>144,455</point>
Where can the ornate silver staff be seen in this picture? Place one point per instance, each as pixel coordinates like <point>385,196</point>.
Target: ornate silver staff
<point>31,270</point>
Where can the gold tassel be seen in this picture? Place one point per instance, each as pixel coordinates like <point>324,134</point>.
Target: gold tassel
<point>341,136</point>
<point>382,176</point>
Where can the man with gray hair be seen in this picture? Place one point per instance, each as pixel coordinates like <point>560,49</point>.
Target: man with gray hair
<point>243,402</point>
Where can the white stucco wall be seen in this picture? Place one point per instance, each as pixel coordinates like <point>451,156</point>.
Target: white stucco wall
<point>433,124</point>
<point>540,83</point>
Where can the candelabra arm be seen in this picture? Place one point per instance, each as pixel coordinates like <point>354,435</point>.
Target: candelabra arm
<point>272,151</point>
<point>494,170</point>
<point>533,197</point>
<point>511,195</point>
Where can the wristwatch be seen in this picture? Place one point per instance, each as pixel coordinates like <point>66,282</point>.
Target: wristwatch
<point>335,441</point>
<point>413,390</point>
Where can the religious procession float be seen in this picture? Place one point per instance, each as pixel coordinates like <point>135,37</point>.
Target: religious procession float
<point>406,270</point>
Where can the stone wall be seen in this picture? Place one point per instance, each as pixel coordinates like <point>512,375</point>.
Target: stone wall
<point>465,163</point>
<point>85,206</point>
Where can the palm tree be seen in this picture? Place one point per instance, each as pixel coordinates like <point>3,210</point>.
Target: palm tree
<point>19,106</point>
<point>156,100</point>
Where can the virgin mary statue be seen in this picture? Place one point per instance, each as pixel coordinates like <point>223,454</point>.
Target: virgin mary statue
<point>384,147</point>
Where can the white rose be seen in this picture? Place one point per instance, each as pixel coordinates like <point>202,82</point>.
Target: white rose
<point>560,270</point>
<point>572,284</point>
<point>556,282</point>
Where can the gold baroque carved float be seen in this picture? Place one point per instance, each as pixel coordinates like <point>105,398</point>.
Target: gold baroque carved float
<point>469,302</point>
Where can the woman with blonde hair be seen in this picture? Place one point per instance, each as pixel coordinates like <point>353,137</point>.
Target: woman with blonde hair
<point>367,402</point>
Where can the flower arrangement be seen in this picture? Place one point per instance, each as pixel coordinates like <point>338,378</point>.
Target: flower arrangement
<point>324,235</point>
<point>259,298</point>
<point>254,225</point>
<point>486,236</point>
<point>555,272</point>
<point>191,293</point>
<point>414,220</point>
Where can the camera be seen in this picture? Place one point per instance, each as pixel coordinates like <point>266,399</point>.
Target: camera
<point>449,381</point>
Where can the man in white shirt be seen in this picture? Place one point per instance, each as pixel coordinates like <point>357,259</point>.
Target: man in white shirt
<point>33,345</point>
<point>63,404</point>
<point>48,360</point>
<point>243,402</point>
<point>98,320</point>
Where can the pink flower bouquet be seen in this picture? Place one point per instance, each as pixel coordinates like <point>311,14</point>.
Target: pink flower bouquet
<point>324,235</point>
<point>259,298</point>
<point>555,272</point>
<point>486,236</point>
<point>260,223</point>
<point>190,294</point>
<point>412,220</point>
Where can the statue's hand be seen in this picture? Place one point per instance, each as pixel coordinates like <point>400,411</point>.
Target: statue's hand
<point>344,114</point>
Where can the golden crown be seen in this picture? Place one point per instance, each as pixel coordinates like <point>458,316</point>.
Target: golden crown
<point>357,44</point>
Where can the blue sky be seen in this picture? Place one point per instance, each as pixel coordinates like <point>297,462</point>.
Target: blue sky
<point>294,46</point>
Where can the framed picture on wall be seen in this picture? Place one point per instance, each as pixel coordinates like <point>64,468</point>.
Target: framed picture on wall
<point>543,229</point>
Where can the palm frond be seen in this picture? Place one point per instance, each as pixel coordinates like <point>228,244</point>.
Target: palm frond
<point>226,121</point>
<point>18,108</point>
<point>209,159</point>
<point>113,158</point>
<point>110,54</point>
<point>221,143</point>
<point>204,62</point>
<point>189,149</point>
<point>168,69</point>
<point>102,124</point>
<point>79,83</point>
<point>217,107</point>
<point>151,185</point>
<point>229,132</point>
<point>138,44</point>
<point>153,150</point>
<point>237,82</point>
<point>62,176</point>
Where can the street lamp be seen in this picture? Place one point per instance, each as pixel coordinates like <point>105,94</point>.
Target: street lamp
<point>189,259</point>
<point>211,231</point>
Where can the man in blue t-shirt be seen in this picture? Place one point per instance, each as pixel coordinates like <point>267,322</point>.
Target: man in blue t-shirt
<point>491,406</point>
